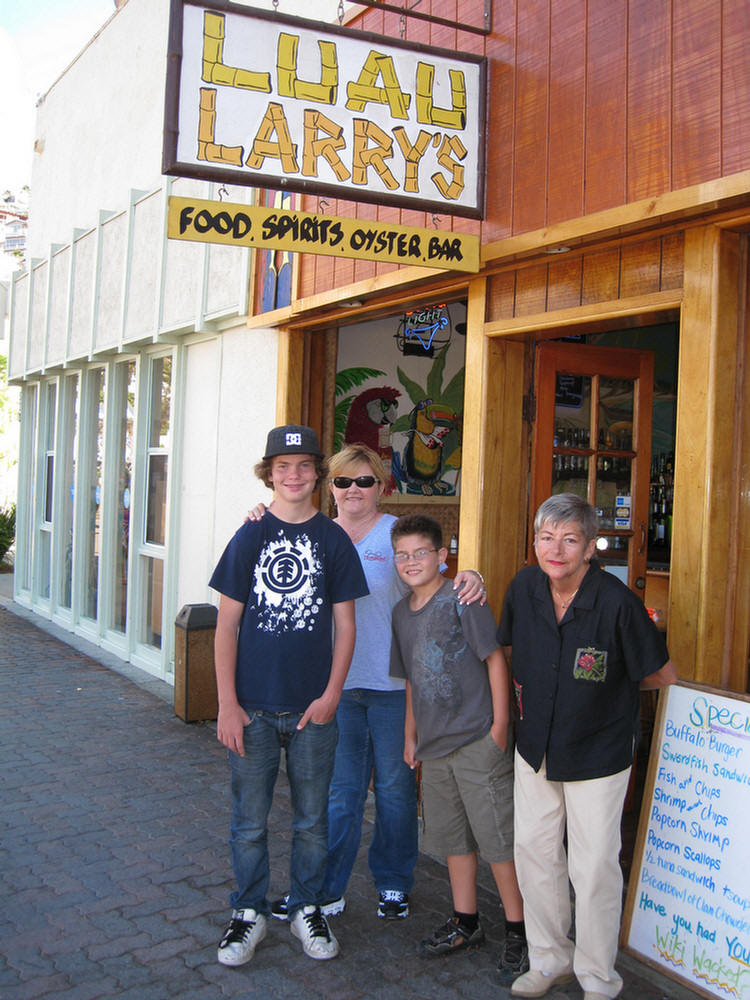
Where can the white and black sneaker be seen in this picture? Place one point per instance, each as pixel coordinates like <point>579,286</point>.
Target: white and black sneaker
<point>245,932</point>
<point>280,907</point>
<point>311,927</point>
<point>393,905</point>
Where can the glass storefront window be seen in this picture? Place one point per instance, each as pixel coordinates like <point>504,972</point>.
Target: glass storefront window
<point>155,520</point>
<point>152,575</point>
<point>156,502</point>
<point>94,432</point>
<point>69,421</point>
<point>125,384</point>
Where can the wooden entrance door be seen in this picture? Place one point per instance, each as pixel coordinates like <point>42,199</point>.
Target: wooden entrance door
<point>592,436</point>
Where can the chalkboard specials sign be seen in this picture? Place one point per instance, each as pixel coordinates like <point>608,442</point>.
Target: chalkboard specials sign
<point>688,905</point>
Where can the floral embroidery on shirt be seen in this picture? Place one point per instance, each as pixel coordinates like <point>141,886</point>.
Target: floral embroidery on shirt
<point>518,690</point>
<point>590,664</point>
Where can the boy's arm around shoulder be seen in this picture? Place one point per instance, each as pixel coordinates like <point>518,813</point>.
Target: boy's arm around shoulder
<point>410,730</point>
<point>232,717</point>
<point>497,669</point>
<point>323,709</point>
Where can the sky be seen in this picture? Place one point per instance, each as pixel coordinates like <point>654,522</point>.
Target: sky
<point>38,40</point>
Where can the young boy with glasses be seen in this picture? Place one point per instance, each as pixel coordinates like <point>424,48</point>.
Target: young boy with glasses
<point>458,726</point>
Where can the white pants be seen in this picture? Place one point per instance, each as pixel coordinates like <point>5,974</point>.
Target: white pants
<point>592,811</point>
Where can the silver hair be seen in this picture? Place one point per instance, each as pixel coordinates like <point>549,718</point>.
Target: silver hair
<point>567,507</point>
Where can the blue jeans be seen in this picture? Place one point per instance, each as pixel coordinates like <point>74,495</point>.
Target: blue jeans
<point>309,765</point>
<point>371,734</point>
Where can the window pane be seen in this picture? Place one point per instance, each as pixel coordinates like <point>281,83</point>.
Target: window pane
<point>67,472</point>
<point>93,492</point>
<point>156,502</point>
<point>49,488</point>
<point>26,503</point>
<point>49,447</point>
<point>616,413</point>
<point>44,543</point>
<point>49,442</point>
<point>126,402</point>
<point>161,397</point>
<point>572,410</point>
<point>153,582</point>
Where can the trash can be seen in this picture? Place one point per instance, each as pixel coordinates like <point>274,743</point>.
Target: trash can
<point>194,677</point>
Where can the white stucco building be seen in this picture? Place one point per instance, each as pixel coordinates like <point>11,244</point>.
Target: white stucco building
<point>145,399</point>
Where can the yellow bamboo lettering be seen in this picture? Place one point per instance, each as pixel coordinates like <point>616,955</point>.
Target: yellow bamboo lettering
<point>290,85</point>
<point>315,147</point>
<point>451,144</point>
<point>412,155</point>
<point>214,68</point>
<point>427,113</point>
<point>364,89</point>
<point>208,148</point>
<point>283,149</point>
<point>364,155</point>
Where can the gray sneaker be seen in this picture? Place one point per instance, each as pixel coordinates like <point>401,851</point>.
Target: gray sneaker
<point>311,927</point>
<point>243,935</point>
<point>514,958</point>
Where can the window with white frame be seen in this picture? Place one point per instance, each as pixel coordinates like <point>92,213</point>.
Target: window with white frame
<point>67,477</point>
<point>92,465</point>
<point>158,420</point>
<point>124,410</point>
<point>27,489</point>
<point>47,492</point>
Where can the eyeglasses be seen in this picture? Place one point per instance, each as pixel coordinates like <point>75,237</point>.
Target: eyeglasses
<point>419,555</point>
<point>344,482</point>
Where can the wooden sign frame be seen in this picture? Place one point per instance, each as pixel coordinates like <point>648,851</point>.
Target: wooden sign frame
<point>262,99</point>
<point>689,887</point>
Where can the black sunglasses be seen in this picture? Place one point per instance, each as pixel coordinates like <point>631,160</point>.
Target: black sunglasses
<point>344,482</point>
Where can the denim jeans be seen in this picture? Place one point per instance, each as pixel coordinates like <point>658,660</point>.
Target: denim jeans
<point>309,765</point>
<point>371,734</point>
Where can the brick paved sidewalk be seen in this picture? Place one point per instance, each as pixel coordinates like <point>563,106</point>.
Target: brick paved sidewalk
<point>114,865</point>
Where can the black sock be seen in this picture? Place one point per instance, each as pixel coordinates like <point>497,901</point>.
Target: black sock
<point>469,921</point>
<point>516,927</point>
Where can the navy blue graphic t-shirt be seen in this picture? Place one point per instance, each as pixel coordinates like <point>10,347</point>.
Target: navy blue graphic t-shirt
<point>288,576</point>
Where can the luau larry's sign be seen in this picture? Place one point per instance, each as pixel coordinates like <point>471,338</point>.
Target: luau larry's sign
<point>235,224</point>
<point>271,101</point>
<point>688,905</point>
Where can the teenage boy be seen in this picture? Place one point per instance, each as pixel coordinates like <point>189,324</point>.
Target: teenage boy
<point>280,669</point>
<point>458,726</point>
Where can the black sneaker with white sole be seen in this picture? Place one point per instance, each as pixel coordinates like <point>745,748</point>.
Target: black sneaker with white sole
<point>393,905</point>
<point>280,907</point>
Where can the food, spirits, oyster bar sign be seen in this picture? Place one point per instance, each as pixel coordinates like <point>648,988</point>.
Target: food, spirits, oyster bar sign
<point>272,101</point>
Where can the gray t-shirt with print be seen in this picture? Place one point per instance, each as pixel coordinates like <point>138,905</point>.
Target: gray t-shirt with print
<point>440,649</point>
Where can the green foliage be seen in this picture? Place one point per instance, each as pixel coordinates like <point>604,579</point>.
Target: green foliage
<point>7,528</point>
<point>452,396</point>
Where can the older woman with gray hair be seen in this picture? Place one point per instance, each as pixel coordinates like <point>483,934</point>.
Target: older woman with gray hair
<point>582,646</point>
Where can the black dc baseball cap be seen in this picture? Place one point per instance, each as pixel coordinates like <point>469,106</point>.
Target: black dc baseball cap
<point>292,439</point>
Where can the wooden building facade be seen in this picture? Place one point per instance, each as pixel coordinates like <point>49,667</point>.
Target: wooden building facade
<point>618,199</point>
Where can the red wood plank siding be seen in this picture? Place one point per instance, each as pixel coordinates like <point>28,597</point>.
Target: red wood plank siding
<point>649,98</point>
<point>567,101</point>
<point>606,92</point>
<point>590,105</point>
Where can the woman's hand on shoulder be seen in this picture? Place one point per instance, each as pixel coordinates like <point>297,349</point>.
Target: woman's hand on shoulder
<point>256,513</point>
<point>470,586</point>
